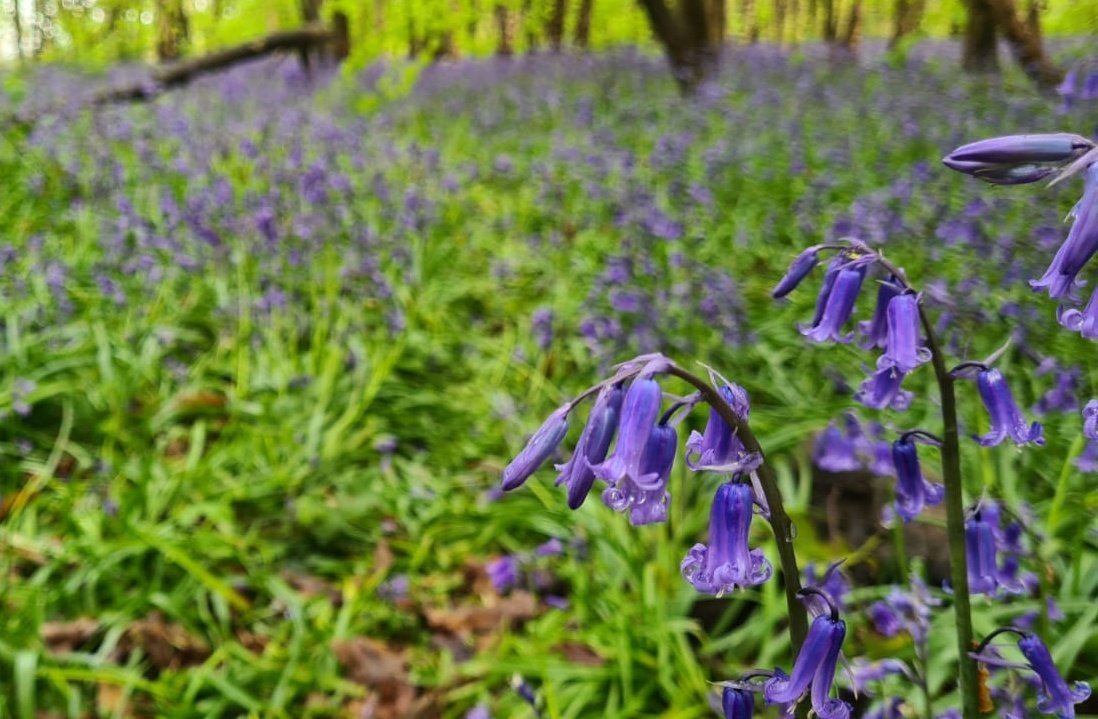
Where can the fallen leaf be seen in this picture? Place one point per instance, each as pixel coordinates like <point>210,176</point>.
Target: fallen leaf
<point>168,645</point>
<point>578,653</point>
<point>511,610</point>
<point>309,586</point>
<point>64,637</point>
<point>382,669</point>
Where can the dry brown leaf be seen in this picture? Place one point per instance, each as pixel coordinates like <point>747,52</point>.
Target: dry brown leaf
<point>511,610</point>
<point>309,586</point>
<point>168,645</point>
<point>64,637</point>
<point>384,670</point>
<point>578,653</point>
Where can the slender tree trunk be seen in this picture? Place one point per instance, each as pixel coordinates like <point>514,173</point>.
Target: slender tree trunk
<point>794,18</point>
<point>1026,45</point>
<point>555,28</point>
<point>749,21</point>
<point>980,52</point>
<point>583,24</point>
<point>853,30</point>
<point>506,46</point>
<point>813,14</point>
<point>906,20</point>
<point>830,29</point>
<point>779,20</point>
<point>171,29</point>
<point>530,28</point>
<point>17,22</point>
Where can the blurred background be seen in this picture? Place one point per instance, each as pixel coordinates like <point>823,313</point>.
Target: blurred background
<point>285,285</point>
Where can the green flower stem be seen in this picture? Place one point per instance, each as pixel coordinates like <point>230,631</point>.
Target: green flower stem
<point>955,525</point>
<point>779,520</point>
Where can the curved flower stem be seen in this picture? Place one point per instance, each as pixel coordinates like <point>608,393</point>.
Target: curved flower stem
<point>779,520</point>
<point>955,523</point>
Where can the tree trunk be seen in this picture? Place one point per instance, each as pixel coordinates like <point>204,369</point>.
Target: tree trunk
<point>691,40</point>
<point>555,28</point>
<point>171,29</point>
<point>813,12</point>
<point>583,24</point>
<point>1028,49</point>
<point>830,29</point>
<point>749,21</point>
<point>529,27</point>
<point>506,46</point>
<point>1033,17</point>
<point>906,20</point>
<point>980,52</point>
<point>18,23</point>
<point>853,30</point>
<point>779,20</point>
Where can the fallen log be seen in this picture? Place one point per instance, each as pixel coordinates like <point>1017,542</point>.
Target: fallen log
<point>166,77</point>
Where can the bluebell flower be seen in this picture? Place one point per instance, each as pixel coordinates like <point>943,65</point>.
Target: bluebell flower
<point>640,410</point>
<point>981,556</point>
<point>645,494</point>
<point>835,451</point>
<point>913,492</point>
<point>864,672</point>
<point>540,447</point>
<point>838,308</point>
<point>718,449</point>
<point>882,390</point>
<point>1078,248</point>
<point>1066,89</point>
<point>833,583</point>
<point>1090,419</point>
<point>902,349</point>
<point>875,330</point>
<point>591,448</point>
<point>737,703</point>
<point>814,669</point>
<point>1006,418</point>
<point>905,611</point>
<point>1087,462</point>
<point>503,572</point>
<point>727,562</point>
<point>798,270</point>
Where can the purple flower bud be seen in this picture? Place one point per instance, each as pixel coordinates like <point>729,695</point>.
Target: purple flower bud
<point>881,390</point>
<point>835,451</point>
<point>718,448</point>
<point>815,668</point>
<point>1090,419</point>
<point>480,711</point>
<point>1054,696</point>
<point>591,448</point>
<point>832,272</point>
<point>639,412</point>
<point>544,442</point>
<point>1087,462</point>
<point>902,349</point>
<point>839,307</point>
<point>737,703</point>
<point>876,330</point>
<point>1006,418</point>
<point>1017,159</point>
<point>645,494</point>
<point>798,270</point>
<point>727,562</point>
<point>1084,322</point>
<point>913,492</point>
<point>1067,87</point>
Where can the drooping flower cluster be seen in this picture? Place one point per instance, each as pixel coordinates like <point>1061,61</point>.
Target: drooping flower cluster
<point>853,447</point>
<point>814,668</point>
<point>894,326</point>
<point>628,444</point>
